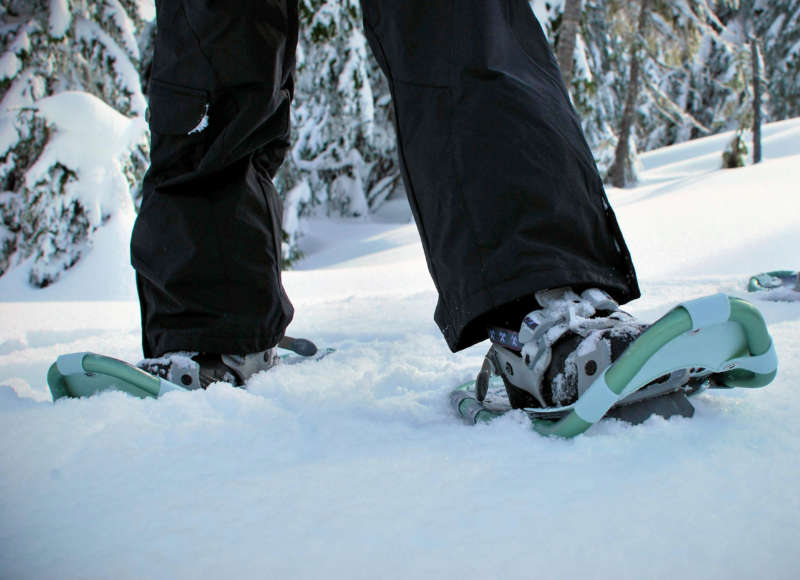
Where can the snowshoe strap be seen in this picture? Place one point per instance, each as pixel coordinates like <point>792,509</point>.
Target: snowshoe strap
<point>561,311</point>
<point>505,338</point>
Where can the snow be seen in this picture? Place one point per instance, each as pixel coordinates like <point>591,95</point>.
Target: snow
<point>106,266</point>
<point>79,118</point>
<point>10,65</point>
<point>355,467</point>
<point>543,8</point>
<point>24,90</point>
<point>354,68</point>
<point>146,9</point>
<point>8,134</point>
<point>299,196</point>
<point>583,69</point>
<point>124,25</point>
<point>202,125</point>
<point>127,75</point>
<point>685,189</point>
<point>92,141</point>
<point>60,18</point>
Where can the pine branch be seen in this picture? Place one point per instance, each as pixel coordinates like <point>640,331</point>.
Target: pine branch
<point>669,108</point>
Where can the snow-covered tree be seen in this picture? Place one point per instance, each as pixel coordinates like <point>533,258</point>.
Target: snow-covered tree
<point>698,85</point>
<point>777,24</point>
<point>692,72</point>
<point>344,154</point>
<point>593,78</point>
<point>71,70</point>
<point>73,141</point>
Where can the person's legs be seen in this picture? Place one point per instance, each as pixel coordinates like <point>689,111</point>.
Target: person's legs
<point>503,186</point>
<point>207,243</point>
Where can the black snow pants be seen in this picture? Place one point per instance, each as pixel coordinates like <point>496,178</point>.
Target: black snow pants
<point>502,184</point>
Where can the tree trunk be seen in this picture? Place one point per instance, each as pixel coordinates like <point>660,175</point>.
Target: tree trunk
<point>570,23</point>
<point>756,56</point>
<point>621,172</point>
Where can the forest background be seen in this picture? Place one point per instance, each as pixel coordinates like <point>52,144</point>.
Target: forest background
<point>642,75</point>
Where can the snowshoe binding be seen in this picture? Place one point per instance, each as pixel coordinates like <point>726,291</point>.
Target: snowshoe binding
<point>579,359</point>
<point>193,370</point>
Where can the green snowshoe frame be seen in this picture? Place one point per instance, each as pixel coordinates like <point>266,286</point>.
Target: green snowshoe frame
<point>83,374</point>
<point>718,336</point>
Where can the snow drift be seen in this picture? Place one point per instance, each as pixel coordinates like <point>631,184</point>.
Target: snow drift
<point>355,467</point>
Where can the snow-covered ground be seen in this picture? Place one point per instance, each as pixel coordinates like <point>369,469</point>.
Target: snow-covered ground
<point>355,467</point>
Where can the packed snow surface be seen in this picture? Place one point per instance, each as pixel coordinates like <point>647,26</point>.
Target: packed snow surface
<point>356,467</point>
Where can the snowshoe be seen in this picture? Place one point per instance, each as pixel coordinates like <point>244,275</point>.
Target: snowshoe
<point>84,374</point>
<point>716,341</point>
<point>777,286</point>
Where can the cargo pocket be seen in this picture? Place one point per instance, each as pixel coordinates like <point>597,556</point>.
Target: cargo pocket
<point>179,119</point>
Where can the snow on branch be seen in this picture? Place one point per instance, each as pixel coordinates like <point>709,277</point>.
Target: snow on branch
<point>73,140</point>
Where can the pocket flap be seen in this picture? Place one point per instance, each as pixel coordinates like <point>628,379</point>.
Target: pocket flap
<point>176,110</point>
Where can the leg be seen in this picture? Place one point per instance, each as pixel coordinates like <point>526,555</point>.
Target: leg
<point>207,243</point>
<point>503,186</point>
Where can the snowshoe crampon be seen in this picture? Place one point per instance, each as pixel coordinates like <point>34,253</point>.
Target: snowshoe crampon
<point>716,341</point>
<point>84,374</point>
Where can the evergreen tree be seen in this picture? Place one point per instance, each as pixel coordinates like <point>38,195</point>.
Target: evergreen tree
<point>598,82</point>
<point>594,83</point>
<point>73,67</point>
<point>698,70</point>
<point>343,154</point>
<point>777,25</point>
<point>67,70</point>
<point>690,76</point>
<point>694,71</point>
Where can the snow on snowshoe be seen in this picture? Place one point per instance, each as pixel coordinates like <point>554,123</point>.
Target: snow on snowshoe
<point>716,341</point>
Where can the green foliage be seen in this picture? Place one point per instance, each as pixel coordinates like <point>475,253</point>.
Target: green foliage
<point>735,155</point>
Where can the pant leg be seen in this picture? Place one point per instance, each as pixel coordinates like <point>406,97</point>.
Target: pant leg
<point>502,183</point>
<point>206,245</point>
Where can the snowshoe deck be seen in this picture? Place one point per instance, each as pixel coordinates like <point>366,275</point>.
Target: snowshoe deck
<point>717,340</point>
<point>84,374</point>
